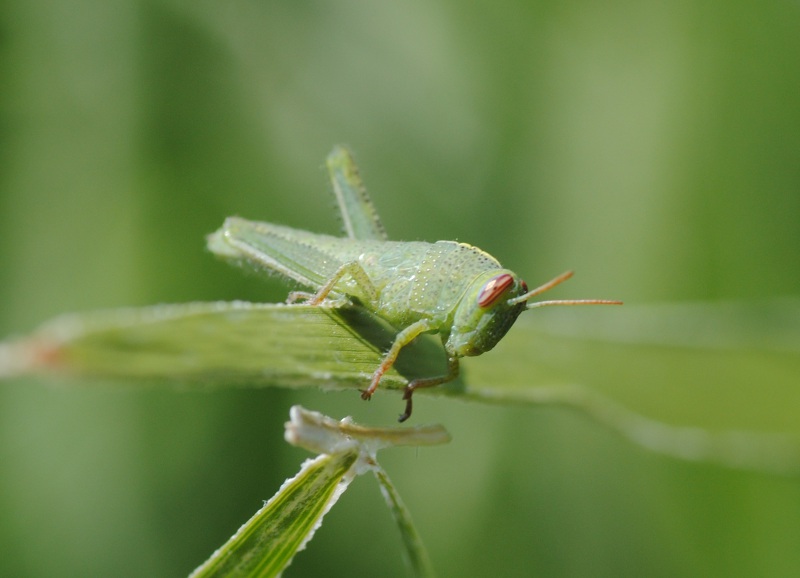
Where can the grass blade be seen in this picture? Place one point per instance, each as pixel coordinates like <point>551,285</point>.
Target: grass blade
<point>415,549</point>
<point>715,383</point>
<point>266,543</point>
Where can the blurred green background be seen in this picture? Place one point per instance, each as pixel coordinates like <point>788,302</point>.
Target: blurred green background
<point>653,147</point>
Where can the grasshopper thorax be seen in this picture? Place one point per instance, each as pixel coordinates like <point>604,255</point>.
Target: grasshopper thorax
<point>483,315</point>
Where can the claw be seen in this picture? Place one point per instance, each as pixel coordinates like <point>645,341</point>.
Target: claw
<point>409,404</point>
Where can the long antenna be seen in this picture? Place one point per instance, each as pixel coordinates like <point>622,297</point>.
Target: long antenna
<point>549,285</point>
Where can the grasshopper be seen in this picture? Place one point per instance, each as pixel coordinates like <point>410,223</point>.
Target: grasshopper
<point>453,289</point>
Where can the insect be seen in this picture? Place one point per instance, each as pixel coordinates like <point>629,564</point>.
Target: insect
<point>453,289</point>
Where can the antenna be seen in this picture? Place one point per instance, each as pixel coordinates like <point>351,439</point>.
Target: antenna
<point>549,285</point>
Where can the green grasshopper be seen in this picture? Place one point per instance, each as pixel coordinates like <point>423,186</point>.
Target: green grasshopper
<point>449,288</point>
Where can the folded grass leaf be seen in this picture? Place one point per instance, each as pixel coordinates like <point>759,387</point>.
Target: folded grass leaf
<point>267,543</point>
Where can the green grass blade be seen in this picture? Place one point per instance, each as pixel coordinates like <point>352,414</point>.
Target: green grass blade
<point>226,343</point>
<point>686,381</point>
<point>714,383</point>
<point>319,433</point>
<point>266,543</point>
<point>415,549</point>
<point>721,367</point>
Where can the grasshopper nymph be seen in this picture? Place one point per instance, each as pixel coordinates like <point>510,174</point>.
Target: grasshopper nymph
<point>449,288</point>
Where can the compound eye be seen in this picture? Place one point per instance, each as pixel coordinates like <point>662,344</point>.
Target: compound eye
<point>494,288</point>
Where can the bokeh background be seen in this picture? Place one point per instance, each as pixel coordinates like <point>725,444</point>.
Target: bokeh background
<point>653,147</point>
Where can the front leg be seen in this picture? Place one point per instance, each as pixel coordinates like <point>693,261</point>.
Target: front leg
<point>403,338</point>
<point>452,373</point>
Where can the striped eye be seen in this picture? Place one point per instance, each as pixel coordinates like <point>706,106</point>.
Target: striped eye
<point>493,289</point>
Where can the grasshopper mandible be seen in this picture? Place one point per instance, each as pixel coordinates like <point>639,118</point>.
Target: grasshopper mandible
<point>449,288</point>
